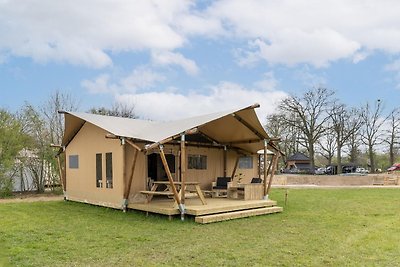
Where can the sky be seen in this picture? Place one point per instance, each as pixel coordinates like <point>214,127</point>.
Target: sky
<point>174,59</point>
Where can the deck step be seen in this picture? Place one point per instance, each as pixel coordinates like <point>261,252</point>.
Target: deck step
<point>236,214</point>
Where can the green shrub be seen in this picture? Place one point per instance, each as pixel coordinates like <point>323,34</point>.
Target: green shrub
<point>6,186</point>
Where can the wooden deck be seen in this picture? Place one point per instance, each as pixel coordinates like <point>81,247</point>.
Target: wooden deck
<point>217,209</point>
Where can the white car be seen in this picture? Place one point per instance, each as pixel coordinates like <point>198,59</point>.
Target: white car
<point>362,170</point>
<point>320,171</point>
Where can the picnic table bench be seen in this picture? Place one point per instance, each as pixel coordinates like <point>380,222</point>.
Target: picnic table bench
<point>168,190</point>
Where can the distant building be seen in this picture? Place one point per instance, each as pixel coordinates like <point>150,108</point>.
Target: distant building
<point>298,163</point>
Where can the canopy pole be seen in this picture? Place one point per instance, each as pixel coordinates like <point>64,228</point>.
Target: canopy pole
<point>129,182</point>
<point>224,156</point>
<point>171,181</point>
<point>274,167</point>
<point>259,166</point>
<point>62,178</point>
<point>183,170</point>
<point>235,167</point>
<point>265,168</point>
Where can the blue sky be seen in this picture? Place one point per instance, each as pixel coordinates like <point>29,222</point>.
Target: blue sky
<point>174,59</point>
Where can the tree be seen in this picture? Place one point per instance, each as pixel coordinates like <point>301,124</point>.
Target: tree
<point>393,134</point>
<point>327,145</point>
<point>54,122</point>
<point>40,162</point>
<point>345,123</point>
<point>308,114</point>
<point>371,135</point>
<point>12,140</point>
<point>287,134</point>
<point>118,109</point>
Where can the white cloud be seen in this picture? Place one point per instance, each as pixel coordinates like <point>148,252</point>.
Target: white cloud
<point>310,79</point>
<point>99,85</point>
<point>279,32</point>
<point>170,58</point>
<point>224,96</point>
<point>140,78</point>
<point>268,82</point>
<point>85,32</point>
<point>314,32</point>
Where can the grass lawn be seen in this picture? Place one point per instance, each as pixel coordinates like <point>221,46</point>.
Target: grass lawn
<point>319,227</point>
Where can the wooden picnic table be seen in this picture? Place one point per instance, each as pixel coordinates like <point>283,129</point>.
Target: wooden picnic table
<point>168,191</point>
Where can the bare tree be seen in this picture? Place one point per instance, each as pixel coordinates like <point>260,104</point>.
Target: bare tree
<point>53,120</point>
<point>118,109</point>
<point>38,159</point>
<point>345,123</point>
<point>308,114</point>
<point>327,145</point>
<point>393,134</point>
<point>371,134</point>
<point>276,128</point>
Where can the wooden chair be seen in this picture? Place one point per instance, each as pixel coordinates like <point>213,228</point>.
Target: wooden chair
<point>256,180</point>
<point>220,186</point>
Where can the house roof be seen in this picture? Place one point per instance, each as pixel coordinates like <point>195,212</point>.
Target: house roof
<point>237,128</point>
<point>298,157</point>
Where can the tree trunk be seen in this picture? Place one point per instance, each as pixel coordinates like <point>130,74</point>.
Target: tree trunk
<point>391,153</point>
<point>371,158</point>
<point>311,152</point>
<point>339,158</point>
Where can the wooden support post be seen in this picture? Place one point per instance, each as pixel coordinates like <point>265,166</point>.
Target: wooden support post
<point>259,166</point>
<point>62,180</point>
<point>235,167</point>
<point>128,183</point>
<point>274,167</point>
<point>183,168</point>
<point>265,168</point>
<point>224,160</point>
<point>168,172</point>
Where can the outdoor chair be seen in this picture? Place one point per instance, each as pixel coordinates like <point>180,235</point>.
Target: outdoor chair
<point>220,186</point>
<point>256,180</point>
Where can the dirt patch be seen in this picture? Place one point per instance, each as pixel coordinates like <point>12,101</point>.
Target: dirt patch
<point>30,197</point>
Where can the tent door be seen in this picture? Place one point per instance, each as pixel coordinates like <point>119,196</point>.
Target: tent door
<point>155,169</point>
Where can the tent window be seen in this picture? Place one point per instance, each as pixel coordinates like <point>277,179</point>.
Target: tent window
<point>246,162</point>
<point>74,162</point>
<point>99,170</point>
<point>109,172</point>
<point>197,162</point>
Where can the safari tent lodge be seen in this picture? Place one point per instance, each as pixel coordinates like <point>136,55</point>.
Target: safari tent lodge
<point>208,166</point>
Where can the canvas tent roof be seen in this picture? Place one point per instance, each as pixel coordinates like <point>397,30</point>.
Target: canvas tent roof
<point>237,128</point>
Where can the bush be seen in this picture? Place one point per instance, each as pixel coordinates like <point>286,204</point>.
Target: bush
<point>6,187</point>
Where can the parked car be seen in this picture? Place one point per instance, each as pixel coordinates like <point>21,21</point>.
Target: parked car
<point>395,167</point>
<point>362,170</point>
<point>320,171</point>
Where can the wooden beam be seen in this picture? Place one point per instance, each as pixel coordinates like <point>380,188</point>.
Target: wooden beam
<point>251,128</point>
<point>265,167</point>
<point>235,167</point>
<point>169,175</point>
<point>183,168</point>
<point>61,174</point>
<point>248,141</point>
<point>224,160</point>
<point>129,182</point>
<point>133,145</point>
<point>259,166</point>
<point>276,159</point>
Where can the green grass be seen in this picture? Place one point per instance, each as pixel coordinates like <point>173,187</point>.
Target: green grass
<point>319,227</point>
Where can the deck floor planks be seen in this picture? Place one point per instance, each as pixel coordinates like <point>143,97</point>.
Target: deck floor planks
<point>236,214</point>
<point>194,206</point>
